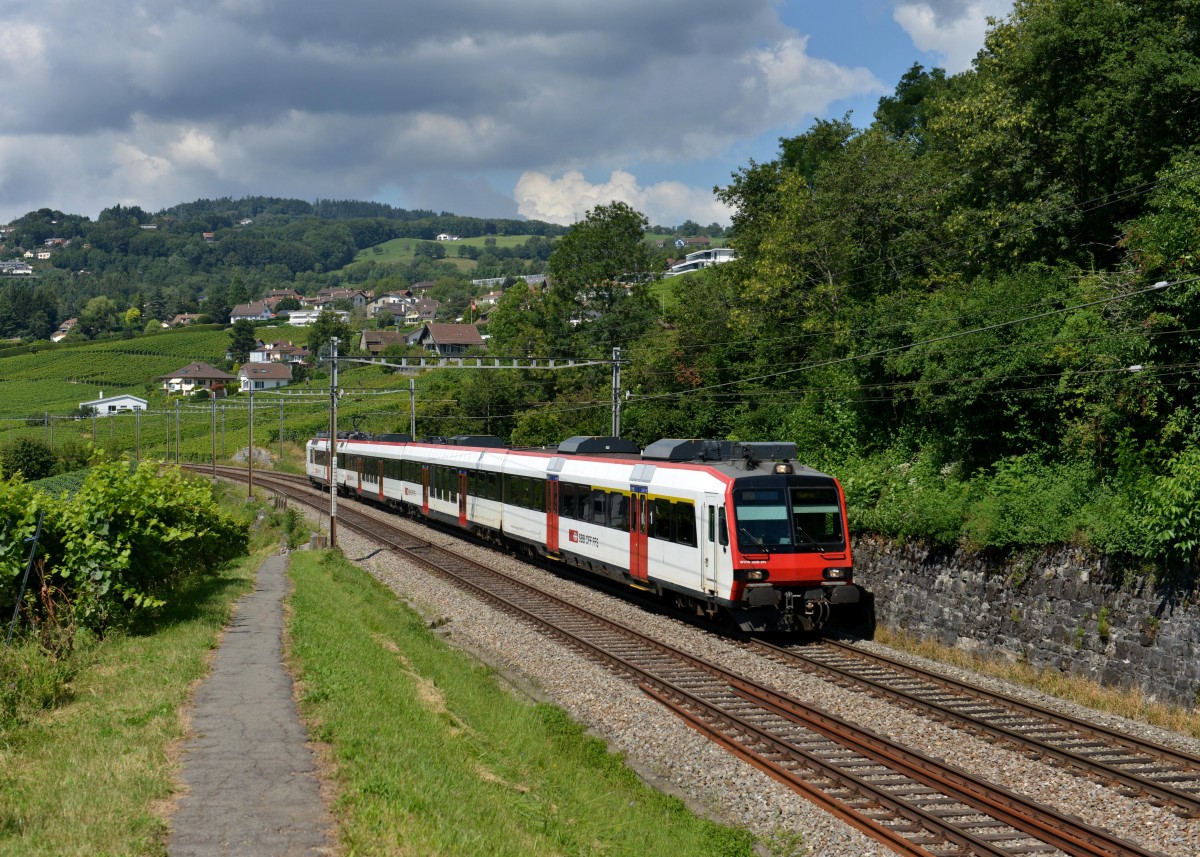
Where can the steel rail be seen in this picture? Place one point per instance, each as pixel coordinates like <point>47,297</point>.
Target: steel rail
<point>1066,749</point>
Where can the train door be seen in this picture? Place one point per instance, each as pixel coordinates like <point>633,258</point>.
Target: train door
<point>639,516</point>
<point>709,546</point>
<point>424,489</point>
<point>552,495</point>
<point>358,471</point>
<point>462,498</point>
<point>379,477</point>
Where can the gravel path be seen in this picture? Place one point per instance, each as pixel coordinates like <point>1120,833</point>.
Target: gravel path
<point>673,758</point>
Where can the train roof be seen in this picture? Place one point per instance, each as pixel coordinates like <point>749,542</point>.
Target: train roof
<point>728,456</point>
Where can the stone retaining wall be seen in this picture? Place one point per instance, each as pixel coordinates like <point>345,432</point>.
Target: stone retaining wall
<point>1061,609</point>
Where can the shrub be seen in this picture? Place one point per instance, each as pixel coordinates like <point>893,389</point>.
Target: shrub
<point>118,544</point>
<point>32,458</point>
<point>1173,506</point>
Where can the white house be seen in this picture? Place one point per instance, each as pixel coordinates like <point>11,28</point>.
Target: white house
<point>264,376</point>
<point>107,405</point>
<point>446,236</point>
<point>702,259</point>
<point>254,311</point>
<point>305,317</point>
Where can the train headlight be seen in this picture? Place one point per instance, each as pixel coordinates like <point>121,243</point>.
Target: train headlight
<point>756,574</point>
<point>837,574</point>
<point>784,469</point>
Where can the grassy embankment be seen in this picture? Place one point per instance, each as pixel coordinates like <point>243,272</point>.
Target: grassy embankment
<point>433,756</point>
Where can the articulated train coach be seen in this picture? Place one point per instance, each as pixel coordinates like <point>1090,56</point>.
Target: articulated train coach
<point>729,529</point>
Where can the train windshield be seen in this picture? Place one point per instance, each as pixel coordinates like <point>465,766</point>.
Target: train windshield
<point>788,517</point>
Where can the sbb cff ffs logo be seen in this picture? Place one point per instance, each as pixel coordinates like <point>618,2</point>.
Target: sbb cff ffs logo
<point>583,539</point>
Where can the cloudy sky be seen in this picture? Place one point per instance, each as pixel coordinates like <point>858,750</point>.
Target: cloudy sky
<point>534,108</point>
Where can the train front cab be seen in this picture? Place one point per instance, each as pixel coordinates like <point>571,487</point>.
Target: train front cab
<point>791,553</point>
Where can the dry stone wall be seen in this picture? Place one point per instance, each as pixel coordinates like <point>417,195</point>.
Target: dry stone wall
<point>1062,609</point>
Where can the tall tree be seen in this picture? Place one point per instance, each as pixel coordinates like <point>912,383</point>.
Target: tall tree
<point>242,340</point>
<point>327,326</point>
<point>903,114</point>
<point>598,274</point>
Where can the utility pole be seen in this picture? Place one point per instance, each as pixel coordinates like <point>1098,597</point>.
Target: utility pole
<point>214,436</point>
<point>281,431</point>
<point>616,392</point>
<point>176,432</point>
<point>412,408</point>
<point>137,435</point>
<point>333,462</point>
<point>250,457</point>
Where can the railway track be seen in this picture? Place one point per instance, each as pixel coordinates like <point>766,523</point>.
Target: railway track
<point>912,803</point>
<point>1138,768</point>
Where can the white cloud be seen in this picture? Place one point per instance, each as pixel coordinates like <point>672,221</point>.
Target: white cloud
<point>953,28</point>
<point>567,199</point>
<point>800,84</point>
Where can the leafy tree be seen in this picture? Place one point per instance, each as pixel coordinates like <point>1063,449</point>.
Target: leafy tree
<point>810,150</point>
<point>243,340</point>
<point>598,274</point>
<point>902,114</point>
<point>518,323</point>
<point>326,327</point>
<point>99,316</point>
<point>216,302</point>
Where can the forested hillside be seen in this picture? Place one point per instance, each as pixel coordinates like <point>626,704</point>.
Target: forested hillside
<point>230,251</point>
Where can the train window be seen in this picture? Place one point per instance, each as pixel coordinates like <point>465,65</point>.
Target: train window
<point>618,511</point>
<point>762,518</point>
<point>598,507</point>
<point>685,523</point>
<point>661,519</point>
<point>817,514</point>
<point>568,500</point>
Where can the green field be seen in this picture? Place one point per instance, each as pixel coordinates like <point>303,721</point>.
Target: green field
<point>402,249</point>
<point>39,392</point>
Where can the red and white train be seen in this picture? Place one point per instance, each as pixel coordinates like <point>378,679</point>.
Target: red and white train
<point>721,527</point>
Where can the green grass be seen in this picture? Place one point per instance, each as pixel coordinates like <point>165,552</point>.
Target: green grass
<point>89,776</point>
<point>402,249</point>
<point>434,757</point>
